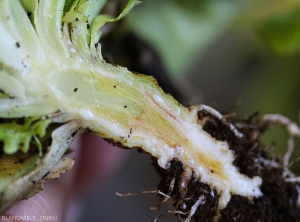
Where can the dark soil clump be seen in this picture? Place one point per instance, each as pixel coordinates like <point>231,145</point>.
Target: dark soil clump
<point>184,201</point>
<point>279,200</point>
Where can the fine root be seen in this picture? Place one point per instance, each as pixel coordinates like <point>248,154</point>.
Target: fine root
<point>293,130</point>
<point>194,208</point>
<point>220,117</point>
<point>142,192</point>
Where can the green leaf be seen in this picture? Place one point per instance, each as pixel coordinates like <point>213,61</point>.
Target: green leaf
<point>30,7</point>
<point>17,136</point>
<point>100,20</point>
<point>180,31</point>
<point>282,33</point>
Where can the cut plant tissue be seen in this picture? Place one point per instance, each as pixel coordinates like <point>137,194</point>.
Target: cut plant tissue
<point>54,84</point>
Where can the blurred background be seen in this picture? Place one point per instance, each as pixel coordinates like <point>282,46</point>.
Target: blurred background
<point>242,54</point>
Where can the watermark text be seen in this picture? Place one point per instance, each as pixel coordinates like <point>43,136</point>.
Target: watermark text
<point>29,218</point>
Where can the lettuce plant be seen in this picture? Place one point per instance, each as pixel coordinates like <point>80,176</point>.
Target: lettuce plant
<point>55,84</point>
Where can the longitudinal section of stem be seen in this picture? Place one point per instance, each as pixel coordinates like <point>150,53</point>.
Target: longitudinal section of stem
<point>131,110</point>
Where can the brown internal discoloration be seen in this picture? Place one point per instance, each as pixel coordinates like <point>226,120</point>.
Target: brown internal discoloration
<point>174,139</point>
<point>247,149</point>
<point>209,163</point>
<point>162,108</point>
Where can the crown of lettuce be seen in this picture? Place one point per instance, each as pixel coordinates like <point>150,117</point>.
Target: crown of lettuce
<point>30,40</point>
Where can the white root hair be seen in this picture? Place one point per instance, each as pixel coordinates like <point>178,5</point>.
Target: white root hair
<point>220,117</point>
<point>194,208</point>
<point>167,197</point>
<point>143,192</point>
<point>293,130</point>
<point>192,211</point>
